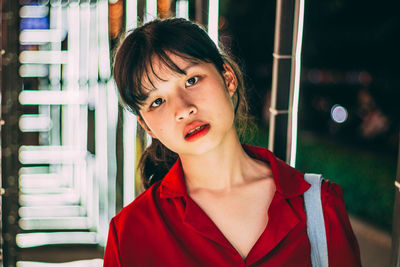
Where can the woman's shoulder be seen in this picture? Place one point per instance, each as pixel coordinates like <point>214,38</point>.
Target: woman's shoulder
<point>332,196</point>
<point>331,191</point>
<point>333,201</point>
<point>132,231</point>
<point>343,249</point>
<point>141,208</point>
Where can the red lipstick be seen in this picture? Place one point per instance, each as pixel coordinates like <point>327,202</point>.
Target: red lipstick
<point>195,130</point>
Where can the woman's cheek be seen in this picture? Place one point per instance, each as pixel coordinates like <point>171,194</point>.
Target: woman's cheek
<point>162,131</point>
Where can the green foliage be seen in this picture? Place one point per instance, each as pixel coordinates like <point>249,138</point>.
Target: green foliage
<point>256,135</point>
<point>366,178</point>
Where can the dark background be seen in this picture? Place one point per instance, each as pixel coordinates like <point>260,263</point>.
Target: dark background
<point>349,58</point>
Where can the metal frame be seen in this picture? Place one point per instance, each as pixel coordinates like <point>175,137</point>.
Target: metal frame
<point>285,79</point>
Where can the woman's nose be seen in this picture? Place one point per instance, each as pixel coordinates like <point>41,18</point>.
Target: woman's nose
<point>184,109</point>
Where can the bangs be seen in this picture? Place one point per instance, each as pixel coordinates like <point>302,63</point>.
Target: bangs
<point>145,75</point>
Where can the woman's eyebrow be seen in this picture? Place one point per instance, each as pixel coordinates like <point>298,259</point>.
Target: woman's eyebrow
<point>150,92</point>
<point>185,69</point>
<point>190,65</point>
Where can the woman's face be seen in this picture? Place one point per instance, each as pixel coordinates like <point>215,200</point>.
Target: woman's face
<point>183,102</point>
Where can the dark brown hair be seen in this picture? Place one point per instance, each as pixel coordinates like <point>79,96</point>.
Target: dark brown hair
<point>134,63</point>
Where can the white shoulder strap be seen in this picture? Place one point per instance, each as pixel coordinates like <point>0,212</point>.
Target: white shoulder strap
<point>315,221</point>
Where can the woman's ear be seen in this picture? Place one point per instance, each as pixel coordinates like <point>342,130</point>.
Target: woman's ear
<point>145,127</point>
<point>230,79</point>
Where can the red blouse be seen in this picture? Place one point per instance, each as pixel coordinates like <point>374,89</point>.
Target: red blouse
<point>165,227</point>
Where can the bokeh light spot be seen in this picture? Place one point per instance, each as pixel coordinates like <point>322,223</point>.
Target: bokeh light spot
<point>339,114</point>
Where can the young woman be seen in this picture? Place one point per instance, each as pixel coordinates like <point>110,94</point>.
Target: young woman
<point>209,200</point>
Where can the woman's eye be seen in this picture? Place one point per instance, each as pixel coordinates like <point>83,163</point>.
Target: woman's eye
<point>156,103</point>
<point>191,81</point>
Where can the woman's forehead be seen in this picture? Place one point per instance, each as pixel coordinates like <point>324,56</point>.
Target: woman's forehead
<point>172,62</point>
<point>161,69</point>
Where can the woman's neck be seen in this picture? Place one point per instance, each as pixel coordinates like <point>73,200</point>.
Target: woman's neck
<point>223,168</point>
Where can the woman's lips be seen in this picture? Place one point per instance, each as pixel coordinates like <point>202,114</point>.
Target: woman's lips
<point>195,129</point>
<point>192,125</point>
<point>198,134</point>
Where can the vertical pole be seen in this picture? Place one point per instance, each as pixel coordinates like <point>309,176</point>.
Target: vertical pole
<point>213,19</point>
<point>131,14</point>
<point>395,259</point>
<point>151,10</point>
<point>285,78</point>
<point>182,9</point>
<point>129,120</point>
<point>295,81</point>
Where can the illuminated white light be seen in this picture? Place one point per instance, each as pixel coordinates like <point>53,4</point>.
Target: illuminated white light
<point>40,36</point>
<point>49,199</point>
<point>53,223</point>
<point>34,123</point>
<point>39,239</point>
<point>40,177</point>
<point>34,170</point>
<point>213,17</point>
<point>112,103</point>
<point>130,122</point>
<point>50,154</point>
<point>43,57</point>
<point>295,105</point>
<point>182,9</point>
<point>45,97</point>
<point>55,211</point>
<point>92,205</point>
<point>104,49</point>
<point>44,190</point>
<point>84,41</point>
<point>131,9</point>
<point>33,70</point>
<point>33,11</point>
<point>71,74</point>
<point>82,263</point>
<point>102,178</point>
<point>112,118</point>
<point>93,63</point>
<point>55,19</point>
<point>339,114</point>
<point>82,120</point>
<point>151,10</point>
<point>40,180</point>
<point>129,144</point>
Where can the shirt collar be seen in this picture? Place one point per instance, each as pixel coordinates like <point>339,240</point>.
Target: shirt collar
<point>173,184</point>
<point>289,181</point>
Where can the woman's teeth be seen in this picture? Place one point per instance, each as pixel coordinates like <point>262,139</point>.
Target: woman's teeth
<point>196,129</point>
